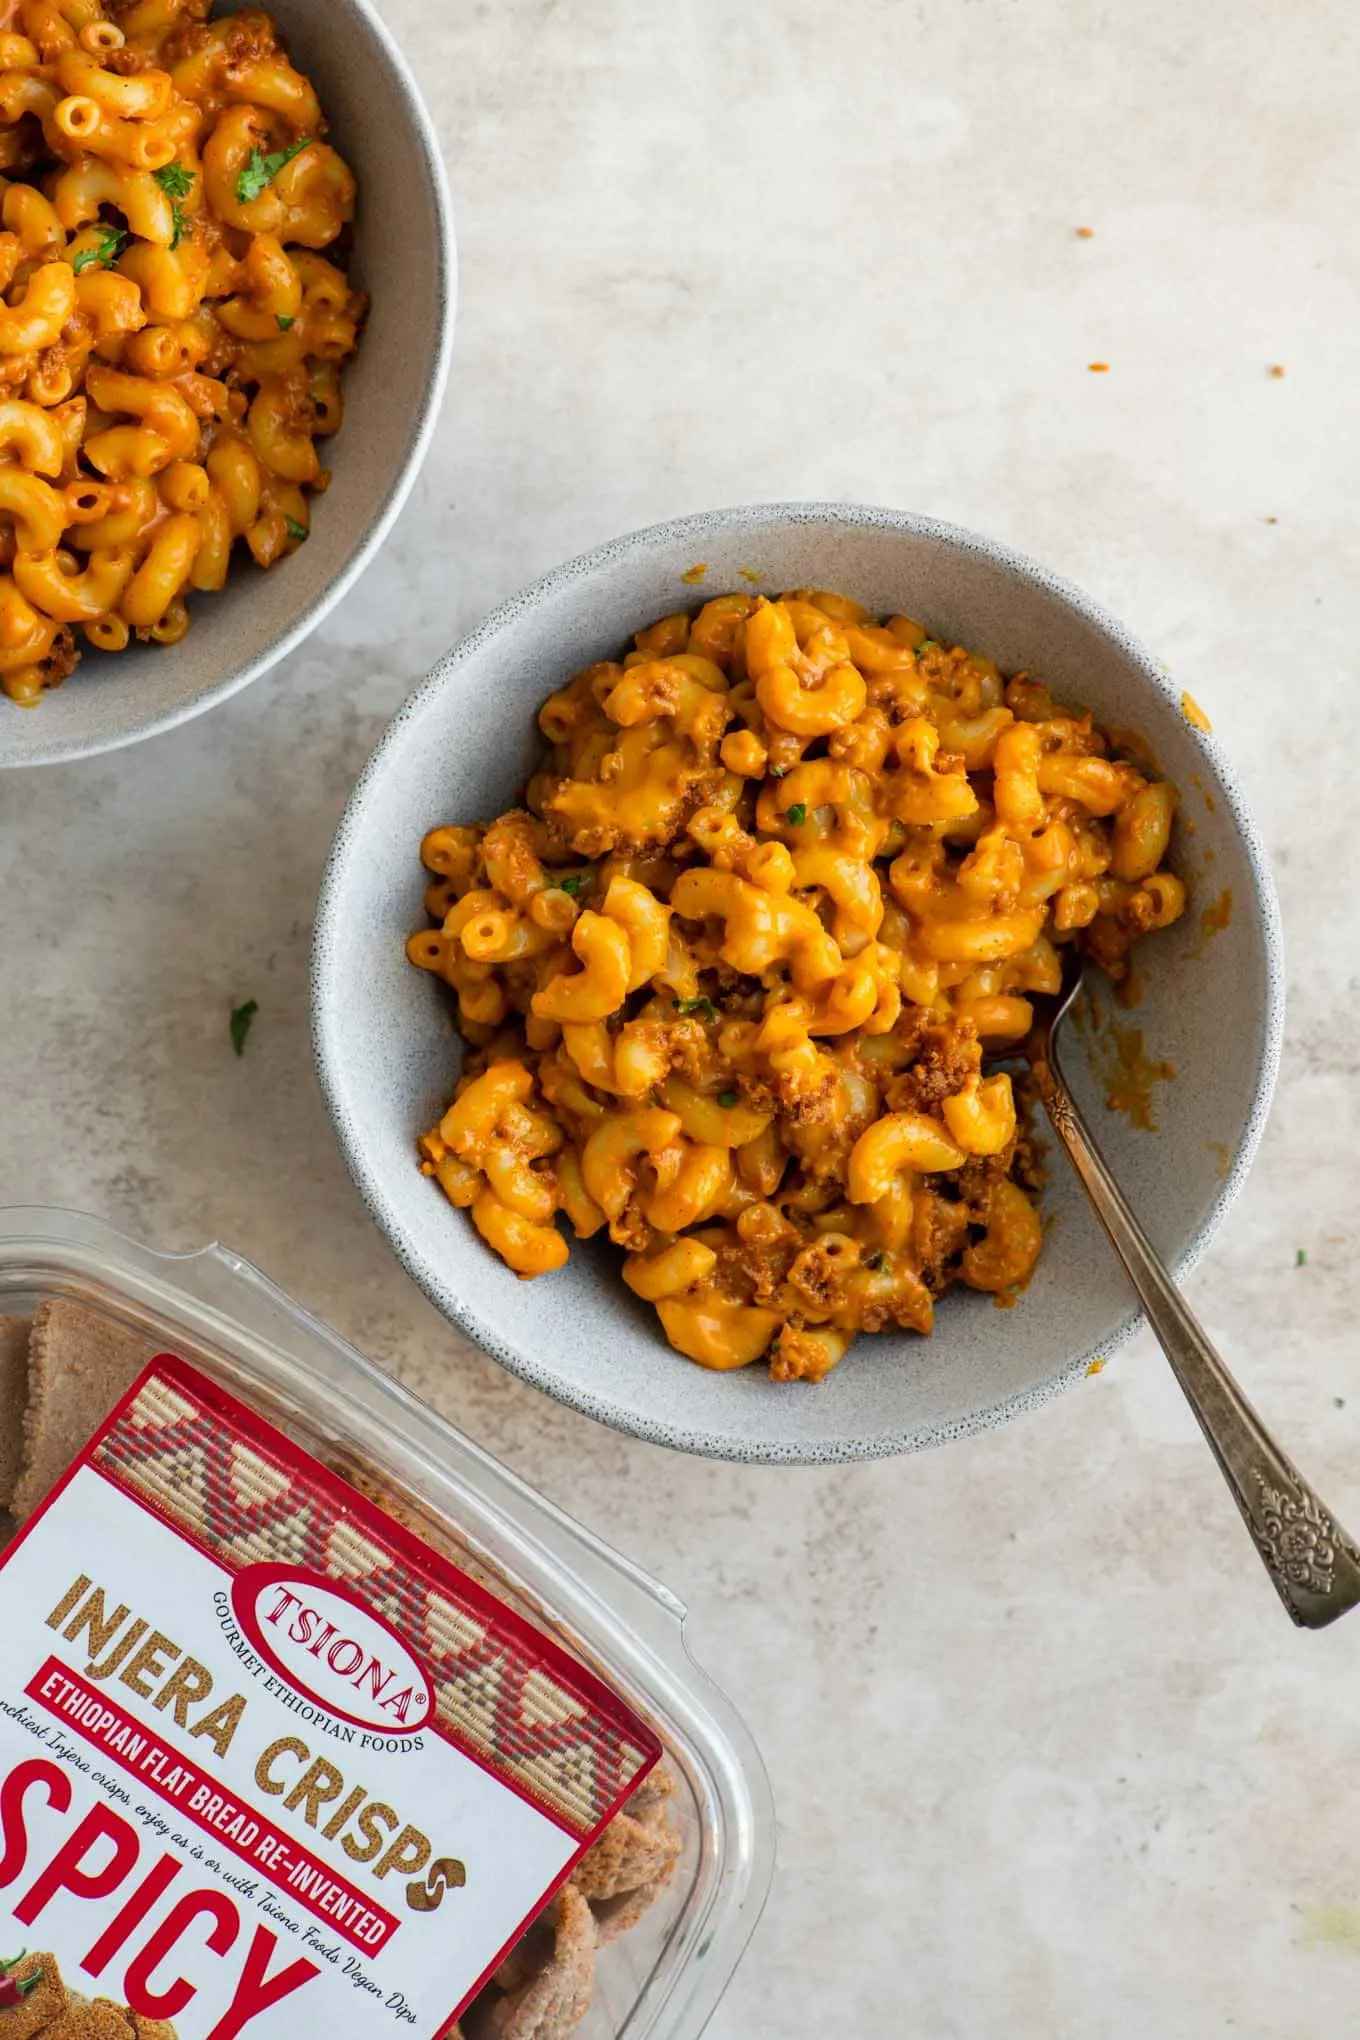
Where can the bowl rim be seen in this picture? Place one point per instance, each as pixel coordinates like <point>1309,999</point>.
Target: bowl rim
<point>326,987</point>
<point>64,750</point>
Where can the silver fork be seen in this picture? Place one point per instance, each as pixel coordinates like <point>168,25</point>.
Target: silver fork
<point>1314,1565</point>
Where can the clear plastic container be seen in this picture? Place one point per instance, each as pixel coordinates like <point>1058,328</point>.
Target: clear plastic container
<point>662,1979</point>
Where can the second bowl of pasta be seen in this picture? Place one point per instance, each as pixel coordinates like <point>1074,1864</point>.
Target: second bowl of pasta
<point>675,950</point>
<point>226,259</point>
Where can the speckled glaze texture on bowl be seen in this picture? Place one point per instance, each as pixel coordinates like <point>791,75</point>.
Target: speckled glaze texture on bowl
<point>387,1054</point>
<point>404,258</point>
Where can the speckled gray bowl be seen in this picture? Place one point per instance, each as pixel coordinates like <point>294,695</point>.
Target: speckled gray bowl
<point>404,259</point>
<point>387,1056</point>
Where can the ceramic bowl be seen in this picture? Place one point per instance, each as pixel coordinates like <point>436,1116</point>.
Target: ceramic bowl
<point>387,1052</point>
<point>404,258</point>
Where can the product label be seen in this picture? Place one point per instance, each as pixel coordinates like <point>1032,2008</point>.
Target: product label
<point>268,1764</point>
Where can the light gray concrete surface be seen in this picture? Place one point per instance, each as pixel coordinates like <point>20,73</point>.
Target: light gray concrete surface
<point>1051,1763</point>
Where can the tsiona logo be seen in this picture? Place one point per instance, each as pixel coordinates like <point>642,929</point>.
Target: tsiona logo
<point>332,1649</point>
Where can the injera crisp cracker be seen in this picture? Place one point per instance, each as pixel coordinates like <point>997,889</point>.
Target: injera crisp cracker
<point>555,2002</point>
<point>79,1367</point>
<point>102,2020</point>
<point>43,2006</point>
<point>13,1401</point>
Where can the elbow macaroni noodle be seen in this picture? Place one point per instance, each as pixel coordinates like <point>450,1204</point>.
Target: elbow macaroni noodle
<point>786,878</point>
<point>170,333</point>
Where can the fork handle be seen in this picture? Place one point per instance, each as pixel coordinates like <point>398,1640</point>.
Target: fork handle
<point>1313,1563</point>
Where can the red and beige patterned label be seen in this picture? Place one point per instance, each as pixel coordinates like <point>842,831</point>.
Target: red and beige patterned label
<point>268,1764</point>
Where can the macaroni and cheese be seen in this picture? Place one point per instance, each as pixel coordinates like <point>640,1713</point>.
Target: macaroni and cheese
<point>170,332</point>
<point>736,975</point>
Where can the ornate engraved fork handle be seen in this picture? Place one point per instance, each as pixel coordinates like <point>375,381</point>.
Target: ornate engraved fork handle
<point>1313,1563</point>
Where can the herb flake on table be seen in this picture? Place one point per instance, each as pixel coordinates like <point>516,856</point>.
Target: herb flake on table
<point>241,1017</point>
<point>1301,1257</point>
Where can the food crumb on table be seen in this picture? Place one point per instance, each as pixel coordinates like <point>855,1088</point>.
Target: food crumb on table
<point>241,1019</point>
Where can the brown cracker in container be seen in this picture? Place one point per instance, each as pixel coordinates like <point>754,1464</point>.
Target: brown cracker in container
<point>79,1367</point>
<point>629,1854</point>
<point>650,1800</point>
<point>615,1917</point>
<point>553,2005</point>
<point>14,1332</point>
<point>529,1957</point>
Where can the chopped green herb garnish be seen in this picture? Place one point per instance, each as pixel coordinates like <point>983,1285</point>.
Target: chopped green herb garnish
<point>1339,1402</point>
<point>284,322</point>
<point>297,532</point>
<point>174,180</point>
<point>577,883</point>
<point>927,644</point>
<point>261,170</point>
<point>703,1007</point>
<point>107,247</point>
<point>797,814</point>
<point>727,1099</point>
<point>778,771</point>
<point>241,1017</point>
<point>1301,1258</point>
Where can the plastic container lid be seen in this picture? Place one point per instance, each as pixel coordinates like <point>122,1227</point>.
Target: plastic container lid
<point>662,1977</point>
